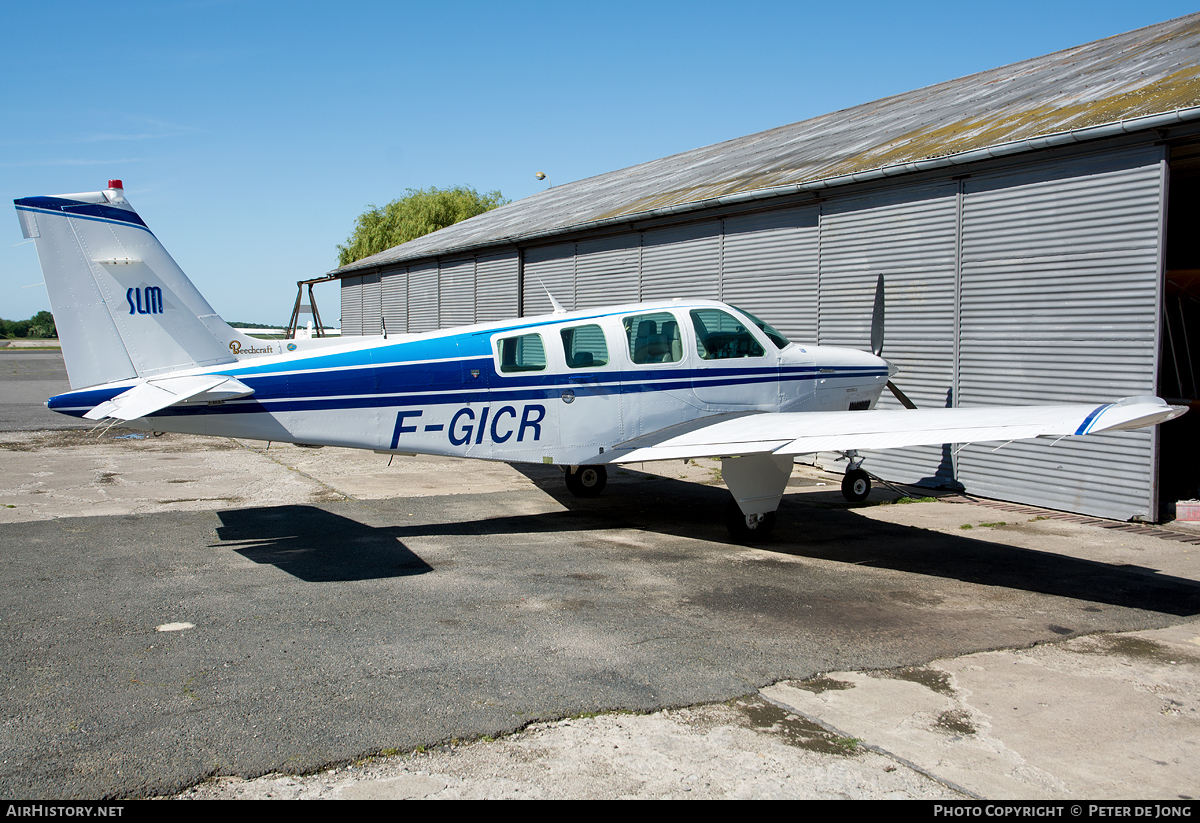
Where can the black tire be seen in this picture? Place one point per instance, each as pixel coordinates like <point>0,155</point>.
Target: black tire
<point>744,529</point>
<point>856,485</point>
<point>587,481</point>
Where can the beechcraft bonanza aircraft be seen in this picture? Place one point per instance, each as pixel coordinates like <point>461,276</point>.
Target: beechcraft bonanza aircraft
<point>652,381</point>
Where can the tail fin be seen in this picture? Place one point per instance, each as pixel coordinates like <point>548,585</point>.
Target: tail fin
<point>122,306</point>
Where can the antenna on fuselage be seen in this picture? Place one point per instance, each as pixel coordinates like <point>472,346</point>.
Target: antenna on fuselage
<point>558,309</point>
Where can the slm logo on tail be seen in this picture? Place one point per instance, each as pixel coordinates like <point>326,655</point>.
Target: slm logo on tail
<point>154,303</point>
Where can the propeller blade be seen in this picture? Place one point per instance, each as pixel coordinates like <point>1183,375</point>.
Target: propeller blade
<point>877,320</point>
<point>901,396</point>
<point>877,340</point>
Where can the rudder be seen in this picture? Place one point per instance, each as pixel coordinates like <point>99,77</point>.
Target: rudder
<point>122,305</point>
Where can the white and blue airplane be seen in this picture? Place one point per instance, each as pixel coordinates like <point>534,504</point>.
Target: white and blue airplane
<point>652,381</point>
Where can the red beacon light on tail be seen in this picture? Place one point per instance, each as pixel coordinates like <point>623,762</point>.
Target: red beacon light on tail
<point>116,191</point>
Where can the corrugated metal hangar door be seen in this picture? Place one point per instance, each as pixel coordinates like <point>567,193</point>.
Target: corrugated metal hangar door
<point>769,266</point>
<point>1036,285</point>
<point>1061,266</point>
<point>351,306</point>
<point>909,235</point>
<point>362,305</point>
<point>431,295</point>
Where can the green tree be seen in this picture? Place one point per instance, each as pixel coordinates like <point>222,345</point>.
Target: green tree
<point>417,213</point>
<point>41,325</point>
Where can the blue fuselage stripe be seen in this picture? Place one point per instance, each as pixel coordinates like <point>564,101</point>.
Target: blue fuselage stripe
<point>450,382</point>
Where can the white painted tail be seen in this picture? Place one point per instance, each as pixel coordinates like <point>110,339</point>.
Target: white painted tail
<point>123,307</point>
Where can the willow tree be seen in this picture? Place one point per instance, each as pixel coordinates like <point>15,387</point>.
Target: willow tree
<point>417,213</point>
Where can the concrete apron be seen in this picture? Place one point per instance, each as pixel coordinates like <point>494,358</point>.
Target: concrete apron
<point>1104,716</point>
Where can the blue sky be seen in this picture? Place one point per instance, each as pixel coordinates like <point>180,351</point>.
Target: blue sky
<point>251,134</point>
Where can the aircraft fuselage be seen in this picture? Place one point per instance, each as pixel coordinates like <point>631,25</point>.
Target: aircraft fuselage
<point>562,388</point>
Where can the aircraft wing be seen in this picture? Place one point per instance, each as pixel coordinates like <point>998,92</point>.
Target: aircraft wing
<point>808,432</point>
<point>157,394</point>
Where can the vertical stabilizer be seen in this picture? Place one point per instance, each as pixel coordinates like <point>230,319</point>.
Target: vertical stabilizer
<point>122,306</point>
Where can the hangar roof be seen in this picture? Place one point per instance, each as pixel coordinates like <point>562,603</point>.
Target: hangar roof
<point>1138,80</point>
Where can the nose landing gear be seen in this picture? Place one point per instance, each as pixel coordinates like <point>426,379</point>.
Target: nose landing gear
<point>856,485</point>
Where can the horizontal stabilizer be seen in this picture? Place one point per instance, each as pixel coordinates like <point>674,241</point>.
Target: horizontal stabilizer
<point>154,395</point>
<point>810,432</point>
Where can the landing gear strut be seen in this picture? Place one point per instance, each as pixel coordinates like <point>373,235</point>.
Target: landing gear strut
<point>586,481</point>
<point>856,485</point>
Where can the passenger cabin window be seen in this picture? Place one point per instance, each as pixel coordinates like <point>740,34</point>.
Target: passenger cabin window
<point>523,353</point>
<point>585,347</point>
<point>721,336</point>
<point>654,338</point>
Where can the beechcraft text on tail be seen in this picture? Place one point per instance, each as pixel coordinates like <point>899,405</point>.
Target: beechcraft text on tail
<point>650,381</point>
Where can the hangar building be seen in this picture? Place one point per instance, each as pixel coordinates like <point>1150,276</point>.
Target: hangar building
<point>1036,226</point>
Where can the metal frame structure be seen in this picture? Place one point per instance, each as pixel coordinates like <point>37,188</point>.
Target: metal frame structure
<point>294,322</point>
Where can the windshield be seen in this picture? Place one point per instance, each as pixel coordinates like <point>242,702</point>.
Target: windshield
<point>778,339</point>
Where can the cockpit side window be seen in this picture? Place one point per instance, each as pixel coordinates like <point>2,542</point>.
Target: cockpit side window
<point>653,338</point>
<point>585,347</point>
<point>773,334</point>
<point>721,336</point>
<point>522,353</point>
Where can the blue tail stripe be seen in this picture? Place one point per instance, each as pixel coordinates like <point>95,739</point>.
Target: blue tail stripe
<point>75,208</point>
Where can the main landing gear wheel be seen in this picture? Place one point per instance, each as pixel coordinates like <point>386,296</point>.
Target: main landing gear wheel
<point>587,481</point>
<point>748,528</point>
<point>856,485</point>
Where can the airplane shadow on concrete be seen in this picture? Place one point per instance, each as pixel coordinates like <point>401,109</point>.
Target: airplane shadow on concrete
<point>317,545</point>
<point>823,526</point>
<point>320,546</point>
